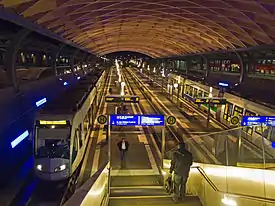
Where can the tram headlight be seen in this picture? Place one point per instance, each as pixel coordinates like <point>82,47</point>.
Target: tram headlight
<point>60,168</point>
<point>39,167</point>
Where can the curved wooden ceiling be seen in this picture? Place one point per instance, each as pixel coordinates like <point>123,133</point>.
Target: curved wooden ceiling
<point>154,27</point>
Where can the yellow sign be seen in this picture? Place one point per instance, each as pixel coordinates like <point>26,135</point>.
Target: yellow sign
<point>109,99</point>
<point>215,101</point>
<point>44,122</point>
<point>171,120</point>
<point>235,120</point>
<point>102,119</point>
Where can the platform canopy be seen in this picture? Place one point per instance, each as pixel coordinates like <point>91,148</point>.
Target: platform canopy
<point>157,28</point>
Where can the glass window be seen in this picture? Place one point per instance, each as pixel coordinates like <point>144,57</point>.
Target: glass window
<point>195,92</point>
<point>189,90</point>
<point>200,93</point>
<point>80,135</point>
<point>75,146</point>
<point>228,111</point>
<point>206,94</point>
<point>86,125</point>
<point>52,142</point>
<point>238,111</point>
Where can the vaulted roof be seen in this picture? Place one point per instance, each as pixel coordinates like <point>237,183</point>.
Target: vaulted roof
<point>154,27</point>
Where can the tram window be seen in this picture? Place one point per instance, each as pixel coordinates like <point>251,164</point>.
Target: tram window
<point>90,116</point>
<point>75,146</point>
<point>195,92</point>
<point>86,125</point>
<point>228,111</point>
<point>80,135</point>
<point>200,93</point>
<point>238,111</point>
<point>206,94</point>
<point>187,91</point>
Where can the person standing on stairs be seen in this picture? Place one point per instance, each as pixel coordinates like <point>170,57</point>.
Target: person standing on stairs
<point>180,165</point>
<point>123,146</point>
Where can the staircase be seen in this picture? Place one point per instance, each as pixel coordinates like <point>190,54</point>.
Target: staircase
<point>143,190</point>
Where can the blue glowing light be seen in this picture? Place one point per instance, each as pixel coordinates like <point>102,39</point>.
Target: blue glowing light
<point>65,83</point>
<point>41,101</point>
<point>223,84</point>
<point>273,144</point>
<point>78,78</point>
<point>19,139</point>
<point>258,120</point>
<point>137,120</point>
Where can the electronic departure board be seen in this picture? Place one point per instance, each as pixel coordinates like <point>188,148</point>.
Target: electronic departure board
<point>258,120</point>
<point>118,98</point>
<point>137,120</point>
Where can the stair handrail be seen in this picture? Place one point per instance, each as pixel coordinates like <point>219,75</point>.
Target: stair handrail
<point>215,188</point>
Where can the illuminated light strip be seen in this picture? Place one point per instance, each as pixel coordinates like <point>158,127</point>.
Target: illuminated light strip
<point>19,139</point>
<point>53,122</point>
<point>41,101</point>
<point>223,84</point>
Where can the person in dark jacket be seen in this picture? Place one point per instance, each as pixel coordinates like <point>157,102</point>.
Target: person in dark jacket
<point>123,146</point>
<point>180,165</point>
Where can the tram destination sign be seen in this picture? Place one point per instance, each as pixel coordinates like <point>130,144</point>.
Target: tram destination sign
<point>137,120</point>
<point>118,98</point>
<point>258,120</point>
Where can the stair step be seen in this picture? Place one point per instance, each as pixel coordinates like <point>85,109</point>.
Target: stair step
<point>138,191</point>
<point>153,200</point>
<point>137,180</point>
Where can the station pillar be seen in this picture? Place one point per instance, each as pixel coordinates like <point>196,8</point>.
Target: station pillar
<point>72,61</point>
<point>242,68</point>
<point>10,56</point>
<point>54,56</point>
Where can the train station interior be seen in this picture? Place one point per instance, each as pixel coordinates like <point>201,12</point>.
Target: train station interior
<point>121,103</point>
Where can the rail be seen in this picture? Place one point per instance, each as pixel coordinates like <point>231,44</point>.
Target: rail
<point>202,152</point>
<point>242,197</point>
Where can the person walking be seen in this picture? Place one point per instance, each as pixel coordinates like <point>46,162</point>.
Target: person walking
<point>180,165</point>
<point>123,146</point>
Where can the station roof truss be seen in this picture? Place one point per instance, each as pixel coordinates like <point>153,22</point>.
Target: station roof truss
<point>157,28</point>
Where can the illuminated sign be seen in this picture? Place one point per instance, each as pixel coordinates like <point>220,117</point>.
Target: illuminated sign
<point>210,100</point>
<point>258,120</point>
<point>117,98</point>
<point>40,102</point>
<point>19,139</point>
<point>44,122</point>
<point>137,120</point>
<point>223,84</point>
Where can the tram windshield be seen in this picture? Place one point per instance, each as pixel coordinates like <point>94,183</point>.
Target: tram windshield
<point>52,142</point>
